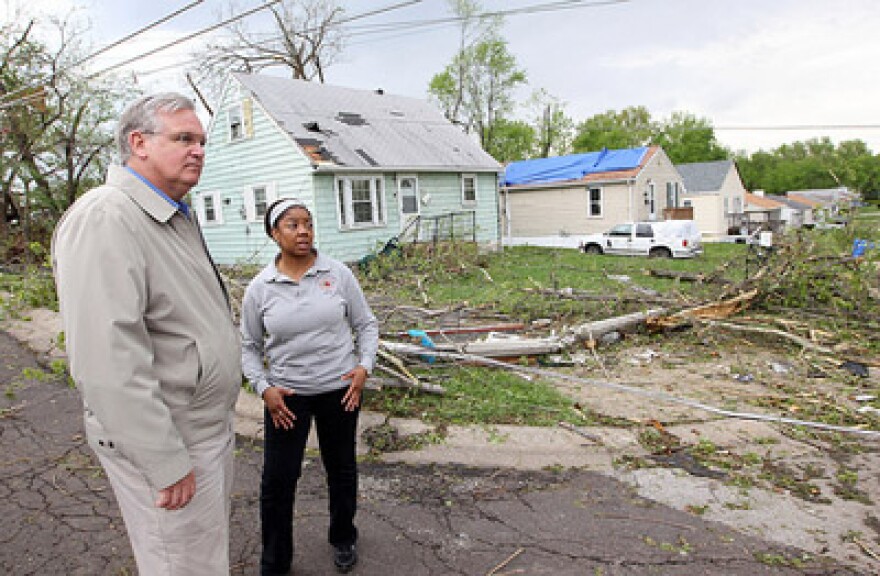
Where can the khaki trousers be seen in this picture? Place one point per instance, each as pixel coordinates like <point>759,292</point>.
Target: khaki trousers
<point>192,541</point>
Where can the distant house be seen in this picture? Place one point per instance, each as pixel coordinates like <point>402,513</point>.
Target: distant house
<point>369,165</point>
<point>826,202</point>
<point>795,213</point>
<point>553,201</point>
<point>763,213</point>
<point>716,193</point>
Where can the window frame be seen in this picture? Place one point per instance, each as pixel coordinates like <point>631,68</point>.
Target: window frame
<point>201,208</point>
<point>465,201</point>
<point>599,202</point>
<point>251,214</point>
<point>345,203</point>
<point>231,134</point>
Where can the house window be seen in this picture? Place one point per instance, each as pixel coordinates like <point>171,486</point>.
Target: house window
<point>595,203</point>
<point>208,209</point>
<point>260,201</point>
<point>257,199</point>
<point>235,122</point>
<point>468,189</point>
<point>671,195</point>
<point>360,202</point>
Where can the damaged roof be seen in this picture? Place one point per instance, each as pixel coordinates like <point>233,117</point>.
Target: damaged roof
<point>588,167</point>
<point>365,129</point>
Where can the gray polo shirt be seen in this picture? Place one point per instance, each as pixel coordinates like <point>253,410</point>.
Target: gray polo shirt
<point>304,330</point>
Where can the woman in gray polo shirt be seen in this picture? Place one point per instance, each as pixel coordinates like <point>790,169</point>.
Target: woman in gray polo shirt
<point>298,319</point>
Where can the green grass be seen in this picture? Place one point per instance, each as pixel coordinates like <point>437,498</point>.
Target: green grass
<point>509,281</point>
<point>480,396</point>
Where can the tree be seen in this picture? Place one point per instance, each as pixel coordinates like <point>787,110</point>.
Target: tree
<point>512,140</point>
<point>628,128</point>
<point>305,40</point>
<point>553,128</point>
<point>815,163</point>
<point>489,79</point>
<point>56,124</point>
<point>686,138</point>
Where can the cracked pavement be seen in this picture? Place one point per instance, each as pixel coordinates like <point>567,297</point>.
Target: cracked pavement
<point>58,514</point>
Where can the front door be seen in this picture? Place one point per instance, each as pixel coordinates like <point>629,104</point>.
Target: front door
<point>408,199</point>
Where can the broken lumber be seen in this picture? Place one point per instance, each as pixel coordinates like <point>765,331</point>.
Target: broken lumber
<point>592,331</point>
<point>710,311</point>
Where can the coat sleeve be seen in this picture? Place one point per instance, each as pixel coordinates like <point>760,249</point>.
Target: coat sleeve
<point>363,322</point>
<point>252,334</point>
<point>103,293</point>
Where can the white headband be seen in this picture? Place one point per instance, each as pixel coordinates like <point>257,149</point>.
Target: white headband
<point>282,207</point>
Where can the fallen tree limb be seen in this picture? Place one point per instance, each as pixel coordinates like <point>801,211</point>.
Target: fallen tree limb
<point>711,311</point>
<point>410,349</point>
<point>679,276</point>
<point>799,340</point>
<point>592,331</point>
<point>584,295</point>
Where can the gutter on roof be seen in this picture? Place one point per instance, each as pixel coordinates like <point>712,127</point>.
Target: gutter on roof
<point>568,184</point>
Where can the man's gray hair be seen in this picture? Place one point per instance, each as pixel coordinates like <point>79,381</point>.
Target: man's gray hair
<point>142,116</point>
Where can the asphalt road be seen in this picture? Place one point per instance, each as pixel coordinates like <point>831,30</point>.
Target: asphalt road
<point>58,514</point>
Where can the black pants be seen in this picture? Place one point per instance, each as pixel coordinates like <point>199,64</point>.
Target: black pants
<point>282,467</point>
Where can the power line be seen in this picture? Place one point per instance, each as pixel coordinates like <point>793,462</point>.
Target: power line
<point>802,127</point>
<point>398,28</point>
<point>182,40</point>
<point>8,98</point>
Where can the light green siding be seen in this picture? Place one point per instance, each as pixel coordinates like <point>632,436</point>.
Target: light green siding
<point>441,193</point>
<point>268,157</point>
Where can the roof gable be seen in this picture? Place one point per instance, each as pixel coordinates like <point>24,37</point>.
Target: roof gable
<point>594,166</point>
<point>351,128</point>
<point>704,176</point>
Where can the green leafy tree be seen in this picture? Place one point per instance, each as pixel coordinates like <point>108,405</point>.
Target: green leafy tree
<point>512,140</point>
<point>815,163</point>
<point>686,138</point>
<point>56,124</point>
<point>553,129</point>
<point>627,128</point>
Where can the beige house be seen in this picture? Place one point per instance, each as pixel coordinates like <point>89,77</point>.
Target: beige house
<point>554,201</point>
<point>716,193</point>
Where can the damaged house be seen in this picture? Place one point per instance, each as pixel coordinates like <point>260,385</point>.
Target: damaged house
<point>554,201</point>
<point>372,167</point>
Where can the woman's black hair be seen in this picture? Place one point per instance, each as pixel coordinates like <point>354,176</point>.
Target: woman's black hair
<point>267,223</point>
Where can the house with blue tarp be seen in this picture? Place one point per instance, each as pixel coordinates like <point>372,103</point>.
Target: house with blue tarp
<point>555,201</point>
<point>372,167</point>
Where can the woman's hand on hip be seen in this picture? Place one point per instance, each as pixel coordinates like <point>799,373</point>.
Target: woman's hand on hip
<point>352,398</point>
<point>273,398</point>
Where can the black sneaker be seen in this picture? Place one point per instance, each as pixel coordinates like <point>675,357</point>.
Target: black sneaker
<point>345,556</point>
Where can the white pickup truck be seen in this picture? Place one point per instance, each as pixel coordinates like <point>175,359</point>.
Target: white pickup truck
<point>666,239</point>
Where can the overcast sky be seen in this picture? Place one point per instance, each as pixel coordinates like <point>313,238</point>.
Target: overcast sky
<point>755,63</point>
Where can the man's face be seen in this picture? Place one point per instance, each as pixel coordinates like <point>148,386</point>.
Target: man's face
<point>172,158</point>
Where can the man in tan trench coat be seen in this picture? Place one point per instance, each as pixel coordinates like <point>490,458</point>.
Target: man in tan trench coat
<point>151,342</point>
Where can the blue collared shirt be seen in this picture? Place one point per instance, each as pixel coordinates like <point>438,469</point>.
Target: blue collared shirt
<point>182,206</point>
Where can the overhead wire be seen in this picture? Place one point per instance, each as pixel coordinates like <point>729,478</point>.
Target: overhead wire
<point>7,97</point>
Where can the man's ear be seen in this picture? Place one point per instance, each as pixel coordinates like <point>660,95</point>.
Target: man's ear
<point>137,141</point>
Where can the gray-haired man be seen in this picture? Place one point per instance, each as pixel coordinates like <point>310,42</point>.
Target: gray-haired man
<point>151,342</point>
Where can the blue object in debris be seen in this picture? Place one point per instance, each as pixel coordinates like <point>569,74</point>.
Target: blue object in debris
<point>860,245</point>
<point>424,340</point>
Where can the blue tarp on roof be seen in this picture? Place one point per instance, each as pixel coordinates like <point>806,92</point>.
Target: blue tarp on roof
<point>572,167</point>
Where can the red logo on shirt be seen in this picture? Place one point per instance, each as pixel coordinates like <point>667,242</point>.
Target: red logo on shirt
<point>328,285</point>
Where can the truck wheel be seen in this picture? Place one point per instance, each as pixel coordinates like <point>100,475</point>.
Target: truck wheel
<point>593,249</point>
<point>660,253</point>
